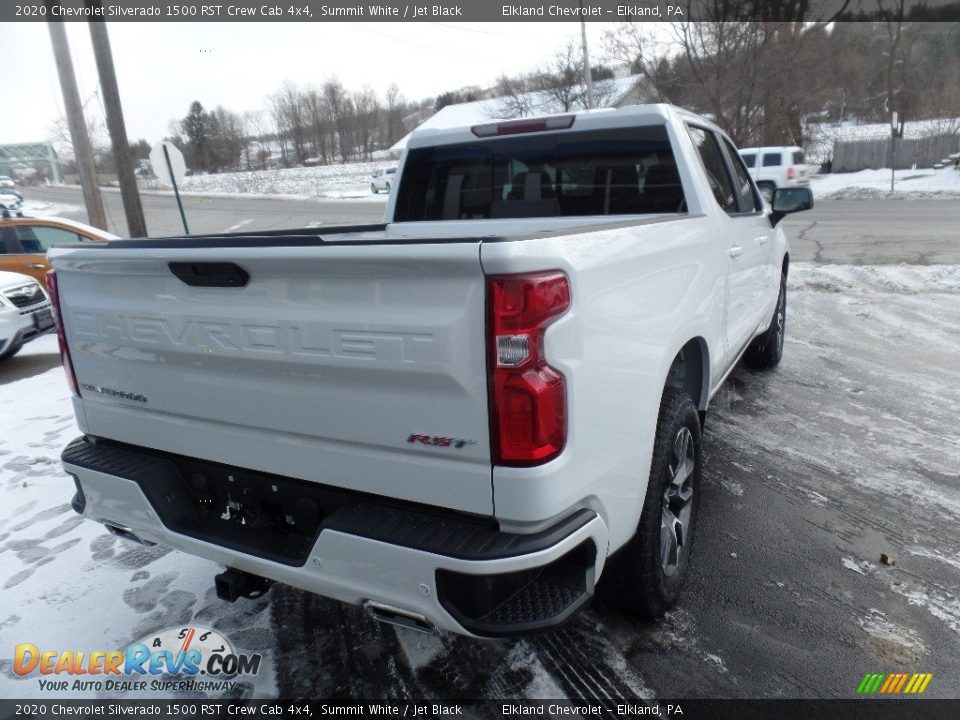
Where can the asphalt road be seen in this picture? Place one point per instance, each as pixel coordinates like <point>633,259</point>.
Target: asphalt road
<point>845,453</point>
<point>860,232</point>
<point>877,232</point>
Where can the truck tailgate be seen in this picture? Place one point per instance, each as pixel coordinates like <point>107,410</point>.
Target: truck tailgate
<point>361,366</point>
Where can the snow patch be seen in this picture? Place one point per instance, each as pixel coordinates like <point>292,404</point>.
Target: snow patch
<point>936,555</point>
<point>876,278</point>
<point>38,207</point>
<point>716,660</point>
<point>875,184</point>
<point>542,686</point>
<point>350,181</point>
<point>731,486</point>
<point>940,604</point>
<point>861,566</point>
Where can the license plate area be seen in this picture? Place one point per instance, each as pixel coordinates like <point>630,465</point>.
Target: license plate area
<point>43,320</point>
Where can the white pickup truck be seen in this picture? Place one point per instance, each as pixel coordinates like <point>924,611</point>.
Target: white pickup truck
<point>460,418</point>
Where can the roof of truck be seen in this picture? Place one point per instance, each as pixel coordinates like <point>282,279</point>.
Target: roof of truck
<point>628,115</point>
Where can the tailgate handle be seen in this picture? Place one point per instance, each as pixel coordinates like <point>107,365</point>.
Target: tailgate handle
<point>210,274</point>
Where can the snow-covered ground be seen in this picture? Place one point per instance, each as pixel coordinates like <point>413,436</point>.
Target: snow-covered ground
<point>875,184</point>
<point>38,207</point>
<point>68,584</point>
<point>332,182</point>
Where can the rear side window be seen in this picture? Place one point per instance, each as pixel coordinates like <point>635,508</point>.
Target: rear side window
<point>606,172</point>
<point>772,160</point>
<point>8,241</point>
<point>40,238</point>
<point>743,188</point>
<point>798,158</point>
<point>750,159</point>
<point>716,169</point>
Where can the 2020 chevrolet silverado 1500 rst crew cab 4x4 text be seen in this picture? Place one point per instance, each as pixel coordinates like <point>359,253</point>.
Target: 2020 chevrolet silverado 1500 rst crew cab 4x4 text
<point>460,418</point>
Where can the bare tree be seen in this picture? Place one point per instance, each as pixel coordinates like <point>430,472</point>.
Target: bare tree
<point>320,123</point>
<point>60,136</point>
<point>562,82</point>
<point>366,109</point>
<point>640,48</point>
<point>514,95</point>
<point>341,108</point>
<point>394,115</point>
<point>256,129</point>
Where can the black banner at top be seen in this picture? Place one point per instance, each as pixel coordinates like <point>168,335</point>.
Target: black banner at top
<point>474,11</point>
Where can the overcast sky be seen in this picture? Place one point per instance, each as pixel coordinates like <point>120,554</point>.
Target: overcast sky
<point>162,67</point>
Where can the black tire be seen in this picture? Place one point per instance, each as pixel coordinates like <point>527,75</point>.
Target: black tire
<point>373,189</point>
<point>766,190</point>
<point>766,351</point>
<point>389,188</point>
<point>646,576</point>
<point>10,351</point>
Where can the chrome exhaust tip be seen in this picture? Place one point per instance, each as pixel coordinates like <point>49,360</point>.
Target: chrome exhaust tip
<point>126,533</point>
<point>398,616</point>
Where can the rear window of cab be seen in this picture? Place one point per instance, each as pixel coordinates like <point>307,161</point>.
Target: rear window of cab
<point>597,172</point>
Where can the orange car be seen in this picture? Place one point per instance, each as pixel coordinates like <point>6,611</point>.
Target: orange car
<point>24,241</point>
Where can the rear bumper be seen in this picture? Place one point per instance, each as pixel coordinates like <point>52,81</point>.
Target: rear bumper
<point>459,573</point>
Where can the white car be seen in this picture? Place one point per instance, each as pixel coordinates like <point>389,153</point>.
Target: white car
<point>776,167</point>
<point>463,418</point>
<point>7,182</point>
<point>383,180</point>
<point>25,312</point>
<point>10,200</point>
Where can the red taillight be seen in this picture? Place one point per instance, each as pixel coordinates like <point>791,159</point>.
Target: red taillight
<point>61,333</point>
<point>517,127</point>
<point>528,397</point>
<point>791,173</point>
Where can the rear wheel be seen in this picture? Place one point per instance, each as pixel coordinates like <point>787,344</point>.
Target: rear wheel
<point>373,189</point>
<point>766,350</point>
<point>645,577</point>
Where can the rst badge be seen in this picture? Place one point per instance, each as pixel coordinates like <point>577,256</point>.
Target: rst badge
<point>440,441</point>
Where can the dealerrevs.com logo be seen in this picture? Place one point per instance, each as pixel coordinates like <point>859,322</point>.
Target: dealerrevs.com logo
<point>184,658</point>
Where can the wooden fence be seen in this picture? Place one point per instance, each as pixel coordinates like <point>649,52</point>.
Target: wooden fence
<point>854,155</point>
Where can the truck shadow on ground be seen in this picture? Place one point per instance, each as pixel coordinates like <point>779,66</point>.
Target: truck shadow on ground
<point>26,366</point>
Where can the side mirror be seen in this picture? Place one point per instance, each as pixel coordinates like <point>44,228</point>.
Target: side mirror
<point>789,200</point>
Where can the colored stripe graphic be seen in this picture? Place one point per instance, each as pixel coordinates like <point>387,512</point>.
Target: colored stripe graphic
<point>894,683</point>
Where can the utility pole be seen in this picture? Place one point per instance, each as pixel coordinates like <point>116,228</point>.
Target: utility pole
<point>132,208</point>
<point>78,125</point>
<point>893,146</point>
<point>588,76</point>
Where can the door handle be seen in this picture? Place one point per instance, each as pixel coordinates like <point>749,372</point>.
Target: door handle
<point>36,266</point>
<point>763,239</point>
<point>736,251</point>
